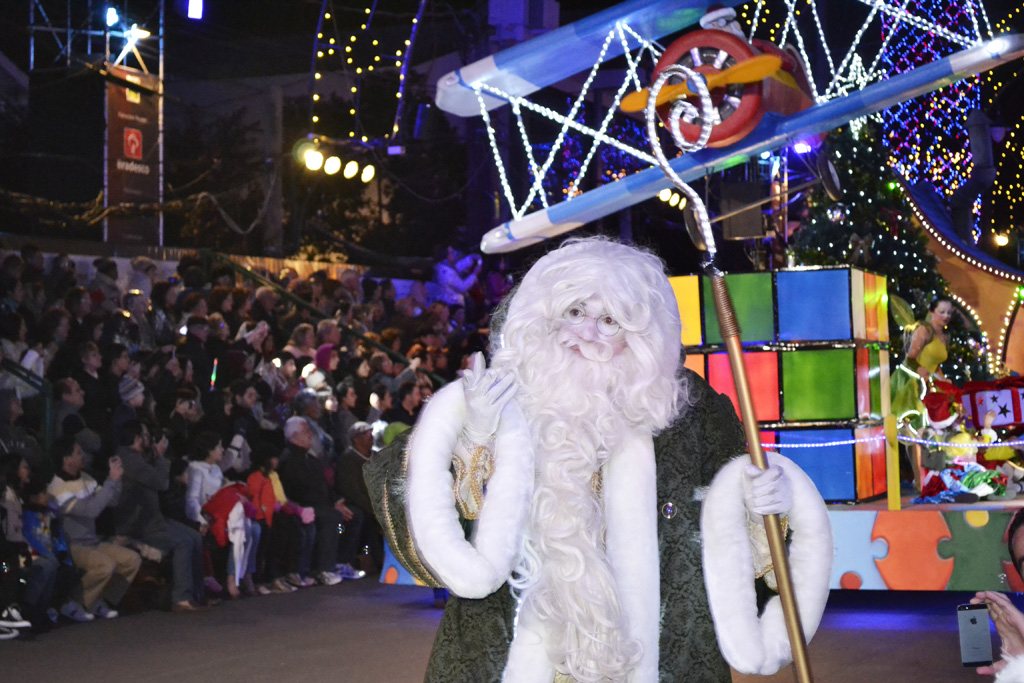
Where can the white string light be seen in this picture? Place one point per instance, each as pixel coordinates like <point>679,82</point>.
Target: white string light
<point>537,176</point>
<point>823,444</point>
<point>506,188</point>
<point>954,444</point>
<point>566,122</point>
<point>958,253</point>
<point>902,439</point>
<point>849,76</point>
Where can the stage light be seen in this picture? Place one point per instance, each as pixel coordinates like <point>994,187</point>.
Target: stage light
<point>997,46</point>
<point>112,17</point>
<point>368,172</point>
<point>300,148</point>
<point>314,159</point>
<point>1002,239</point>
<point>332,165</point>
<point>766,155</point>
<point>801,148</point>
<point>674,199</point>
<point>351,168</point>
<point>135,34</point>
<point>665,195</point>
<point>195,9</point>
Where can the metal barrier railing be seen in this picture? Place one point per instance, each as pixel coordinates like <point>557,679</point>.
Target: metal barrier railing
<point>45,389</point>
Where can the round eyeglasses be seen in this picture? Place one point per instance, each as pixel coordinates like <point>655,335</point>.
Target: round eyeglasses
<point>606,325</point>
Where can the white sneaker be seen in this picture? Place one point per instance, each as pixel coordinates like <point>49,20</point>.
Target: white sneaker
<point>299,582</point>
<point>75,612</point>
<point>8,633</point>
<point>328,579</point>
<point>10,617</point>
<point>347,571</point>
<point>104,611</point>
<point>281,585</point>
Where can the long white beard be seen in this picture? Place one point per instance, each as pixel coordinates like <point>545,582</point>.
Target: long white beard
<point>564,577</point>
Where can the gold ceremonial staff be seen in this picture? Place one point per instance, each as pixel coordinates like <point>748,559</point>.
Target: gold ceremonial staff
<point>730,328</point>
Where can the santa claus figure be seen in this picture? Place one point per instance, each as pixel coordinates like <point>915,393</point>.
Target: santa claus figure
<point>557,494</point>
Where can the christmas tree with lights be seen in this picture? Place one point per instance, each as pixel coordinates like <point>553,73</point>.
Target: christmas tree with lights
<point>872,228</point>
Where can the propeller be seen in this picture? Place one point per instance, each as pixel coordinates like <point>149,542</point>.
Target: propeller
<point>748,71</point>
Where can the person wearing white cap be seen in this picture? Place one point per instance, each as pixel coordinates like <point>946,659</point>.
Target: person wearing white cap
<point>350,483</point>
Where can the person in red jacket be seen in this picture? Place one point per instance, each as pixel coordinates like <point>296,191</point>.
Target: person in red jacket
<point>288,532</point>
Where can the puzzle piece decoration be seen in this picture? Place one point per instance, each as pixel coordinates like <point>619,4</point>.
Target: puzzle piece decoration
<point>854,564</point>
<point>393,572</point>
<point>977,548</point>
<point>913,562</point>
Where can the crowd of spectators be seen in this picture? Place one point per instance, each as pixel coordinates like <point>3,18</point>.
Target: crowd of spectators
<point>205,427</point>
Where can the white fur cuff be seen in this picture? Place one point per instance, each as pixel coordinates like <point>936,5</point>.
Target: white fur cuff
<point>750,644</point>
<point>470,568</point>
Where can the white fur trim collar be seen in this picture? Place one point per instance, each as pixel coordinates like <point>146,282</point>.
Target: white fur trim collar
<point>629,486</point>
<point>750,644</point>
<point>630,502</point>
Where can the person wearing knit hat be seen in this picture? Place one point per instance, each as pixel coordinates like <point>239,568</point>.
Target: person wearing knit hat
<point>326,358</point>
<point>133,396</point>
<point>131,391</point>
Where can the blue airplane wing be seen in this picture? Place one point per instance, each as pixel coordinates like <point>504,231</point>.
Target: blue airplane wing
<point>773,132</point>
<point>564,52</point>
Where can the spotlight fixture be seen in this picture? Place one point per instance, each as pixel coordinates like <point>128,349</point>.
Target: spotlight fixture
<point>332,165</point>
<point>314,159</point>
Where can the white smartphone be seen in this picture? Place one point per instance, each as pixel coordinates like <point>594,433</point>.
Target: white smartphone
<point>975,638</point>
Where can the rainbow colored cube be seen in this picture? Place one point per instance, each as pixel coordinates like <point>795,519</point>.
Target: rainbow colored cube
<point>817,361</point>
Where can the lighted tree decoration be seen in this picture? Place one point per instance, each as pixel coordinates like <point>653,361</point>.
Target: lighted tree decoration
<point>872,229</point>
<point>927,135</point>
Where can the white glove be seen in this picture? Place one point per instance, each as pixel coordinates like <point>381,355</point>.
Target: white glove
<point>766,492</point>
<point>487,391</point>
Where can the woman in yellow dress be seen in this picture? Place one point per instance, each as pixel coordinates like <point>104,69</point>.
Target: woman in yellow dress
<point>925,343</point>
<point>926,351</point>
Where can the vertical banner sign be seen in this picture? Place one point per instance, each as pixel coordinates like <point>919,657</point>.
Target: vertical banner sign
<point>133,153</point>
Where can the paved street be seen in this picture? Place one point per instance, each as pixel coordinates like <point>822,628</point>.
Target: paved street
<point>365,632</point>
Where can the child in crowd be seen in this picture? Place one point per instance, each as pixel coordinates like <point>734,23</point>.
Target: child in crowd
<point>205,481</point>
<point>52,576</point>
<point>288,532</point>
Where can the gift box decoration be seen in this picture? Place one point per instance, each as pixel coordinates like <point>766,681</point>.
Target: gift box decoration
<point>1004,397</point>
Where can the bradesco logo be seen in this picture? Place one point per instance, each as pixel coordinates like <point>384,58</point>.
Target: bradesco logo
<point>133,143</point>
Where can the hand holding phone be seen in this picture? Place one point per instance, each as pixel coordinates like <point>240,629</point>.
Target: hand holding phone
<point>975,637</point>
<point>1009,623</point>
